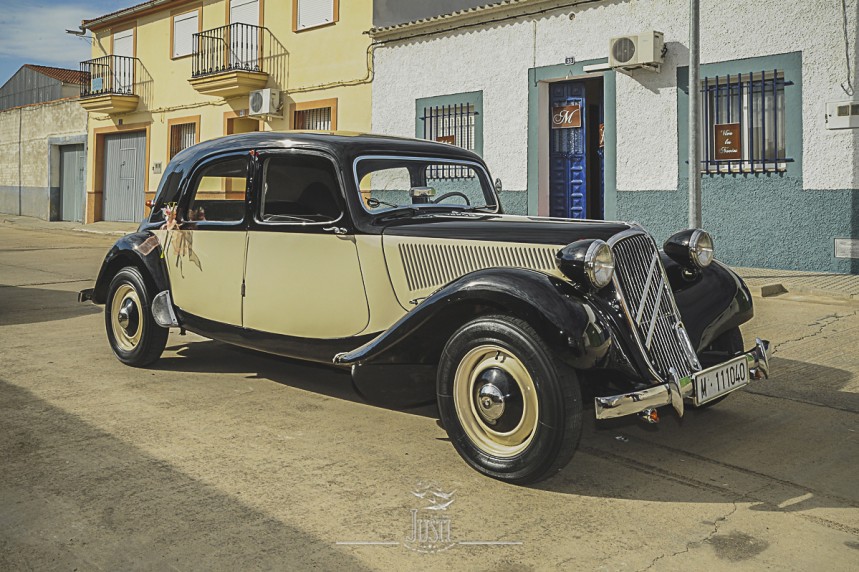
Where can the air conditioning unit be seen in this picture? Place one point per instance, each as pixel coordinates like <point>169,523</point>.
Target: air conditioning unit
<point>264,102</point>
<point>645,50</point>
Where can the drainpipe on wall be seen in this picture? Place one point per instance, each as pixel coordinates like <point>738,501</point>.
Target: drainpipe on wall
<point>694,115</point>
<point>20,149</point>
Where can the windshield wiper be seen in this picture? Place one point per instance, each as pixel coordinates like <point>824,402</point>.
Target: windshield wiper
<point>398,212</point>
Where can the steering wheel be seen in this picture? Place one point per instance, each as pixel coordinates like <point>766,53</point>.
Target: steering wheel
<point>452,194</point>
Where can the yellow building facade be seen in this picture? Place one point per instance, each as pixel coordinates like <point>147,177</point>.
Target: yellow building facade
<point>166,74</point>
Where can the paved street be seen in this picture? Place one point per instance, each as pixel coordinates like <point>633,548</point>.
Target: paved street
<point>223,459</point>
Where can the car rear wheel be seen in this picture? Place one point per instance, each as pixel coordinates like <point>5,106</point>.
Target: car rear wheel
<point>131,330</point>
<point>511,411</point>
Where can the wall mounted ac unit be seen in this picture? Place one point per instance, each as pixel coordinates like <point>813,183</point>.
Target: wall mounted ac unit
<point>644,50</point>
<point>264,102</point>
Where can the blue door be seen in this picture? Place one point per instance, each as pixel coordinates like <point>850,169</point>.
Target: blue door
<point>576,149</point>
<point>568,157</point>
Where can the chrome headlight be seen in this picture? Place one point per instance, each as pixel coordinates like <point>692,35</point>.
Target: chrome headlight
<point>692,248</point>
<point>701,248</point>
<point>587,262</point>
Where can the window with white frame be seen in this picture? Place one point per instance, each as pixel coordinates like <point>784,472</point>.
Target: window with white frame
<point>744,123</point>
<point>184,27</point>
<point>312,13</point>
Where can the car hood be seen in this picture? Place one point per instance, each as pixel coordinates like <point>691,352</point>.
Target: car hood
<point>424,253</point>
<point>504,228</point>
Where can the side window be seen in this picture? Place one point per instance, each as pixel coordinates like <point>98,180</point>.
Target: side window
<point>218,192</point>
<point>299,188</point>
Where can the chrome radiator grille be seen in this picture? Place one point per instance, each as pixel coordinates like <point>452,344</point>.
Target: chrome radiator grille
<point>649,304</point>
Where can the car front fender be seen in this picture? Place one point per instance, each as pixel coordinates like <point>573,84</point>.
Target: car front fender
<point>551,306</point>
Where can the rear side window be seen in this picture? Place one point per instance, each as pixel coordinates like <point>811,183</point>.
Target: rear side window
<point>167,195</point>
<point>299,188</point>
<point>218,192</point>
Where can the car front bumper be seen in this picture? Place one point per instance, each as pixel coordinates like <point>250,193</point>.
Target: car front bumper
<point>677,390</point>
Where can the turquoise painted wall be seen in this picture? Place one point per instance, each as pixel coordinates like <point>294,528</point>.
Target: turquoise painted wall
<point>764,219</point>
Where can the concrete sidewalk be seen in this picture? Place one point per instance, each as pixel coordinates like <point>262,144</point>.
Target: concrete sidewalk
<point>762,281</point>
<point>101,227</point>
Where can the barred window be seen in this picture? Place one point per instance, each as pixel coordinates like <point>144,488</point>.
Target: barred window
<point>744,123</point>
<point>318,119</point>
<point>453,124</point>
<point>182,136</point>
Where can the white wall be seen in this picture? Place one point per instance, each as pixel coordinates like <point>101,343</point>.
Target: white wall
<point>496,58</point>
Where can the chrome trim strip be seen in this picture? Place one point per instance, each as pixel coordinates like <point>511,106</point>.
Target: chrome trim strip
<point>646,290</point>
<point>656,313</point>
<point>678,390</point>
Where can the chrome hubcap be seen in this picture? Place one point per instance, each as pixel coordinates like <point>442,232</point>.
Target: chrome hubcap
<point>127,316</point>
<point>491,403</point>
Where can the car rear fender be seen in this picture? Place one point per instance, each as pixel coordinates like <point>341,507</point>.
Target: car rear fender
<point>140,249</point>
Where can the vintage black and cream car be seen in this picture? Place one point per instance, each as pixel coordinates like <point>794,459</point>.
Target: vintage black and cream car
<point>392,258</point>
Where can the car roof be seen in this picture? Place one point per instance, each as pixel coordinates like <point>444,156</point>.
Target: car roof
<point>345,144</point>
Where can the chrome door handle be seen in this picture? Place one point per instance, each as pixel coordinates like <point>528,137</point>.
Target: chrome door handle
<point>335,229</point>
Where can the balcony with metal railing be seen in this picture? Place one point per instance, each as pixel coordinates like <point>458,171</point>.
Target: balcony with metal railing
<point>111,85</point>
<point>231,60</point>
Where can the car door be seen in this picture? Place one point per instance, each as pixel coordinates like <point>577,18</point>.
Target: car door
<point>204,249</point>
<point>302,276</point>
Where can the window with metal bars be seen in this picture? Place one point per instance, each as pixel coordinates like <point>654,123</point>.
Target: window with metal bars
<point>318,119</point>
<point>455,124</point>
<point>744,119</point>
<point>182,136</point>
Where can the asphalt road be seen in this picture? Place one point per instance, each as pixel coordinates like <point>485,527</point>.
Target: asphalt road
<point>223,459</point>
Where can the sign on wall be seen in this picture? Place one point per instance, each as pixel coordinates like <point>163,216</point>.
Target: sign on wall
<point>566,116</point>
<point>449,139</point>
<point>728,144</point>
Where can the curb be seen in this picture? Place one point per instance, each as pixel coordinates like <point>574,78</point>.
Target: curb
<point>778,289</point>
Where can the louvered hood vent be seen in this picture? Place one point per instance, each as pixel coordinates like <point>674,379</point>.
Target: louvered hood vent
<point>428,266</point>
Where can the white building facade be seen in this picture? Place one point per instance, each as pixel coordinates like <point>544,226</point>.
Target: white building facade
<point>524,83</point>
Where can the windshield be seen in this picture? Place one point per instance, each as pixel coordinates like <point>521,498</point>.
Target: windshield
<point>389,183</point>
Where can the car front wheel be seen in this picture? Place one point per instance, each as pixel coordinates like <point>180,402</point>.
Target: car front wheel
<point>131,330</point>
<point>511,411</point>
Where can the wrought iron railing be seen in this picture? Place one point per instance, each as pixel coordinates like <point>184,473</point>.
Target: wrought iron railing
<point>115,75</point>
<point>230,48</point>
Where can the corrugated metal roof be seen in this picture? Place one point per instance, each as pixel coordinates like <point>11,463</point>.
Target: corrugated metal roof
<point>62,74</point>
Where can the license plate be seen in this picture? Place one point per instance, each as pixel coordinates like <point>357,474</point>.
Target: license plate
<point>721,379</point>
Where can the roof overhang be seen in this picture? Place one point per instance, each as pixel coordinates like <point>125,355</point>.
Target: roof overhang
<point>507,9</point>
<point>127,13</point>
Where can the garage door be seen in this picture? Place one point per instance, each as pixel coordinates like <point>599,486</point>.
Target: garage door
<point>124,175</point>
<point>72,161</point>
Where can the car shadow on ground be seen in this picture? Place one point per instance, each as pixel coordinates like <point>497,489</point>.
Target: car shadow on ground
<point>65,484</point>
<point>215,357</point>
<point>603,466</point>
<point>28,305</point>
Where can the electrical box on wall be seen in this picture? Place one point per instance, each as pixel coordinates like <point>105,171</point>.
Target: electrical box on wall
<point>842,114</point>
